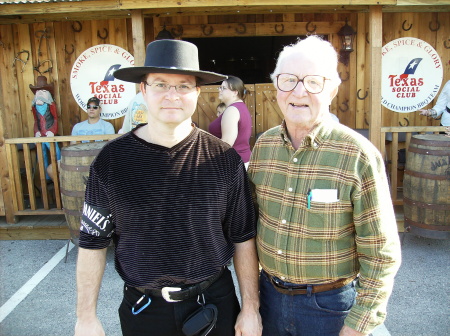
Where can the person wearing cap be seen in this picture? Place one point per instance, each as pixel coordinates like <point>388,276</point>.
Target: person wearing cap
<point>93,125</point>
<point>45,118</point>
<point>176,202</point>
<point>327,236</point>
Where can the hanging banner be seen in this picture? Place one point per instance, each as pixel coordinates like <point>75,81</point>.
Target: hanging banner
<point>92,75</point>
<point>412,74</point>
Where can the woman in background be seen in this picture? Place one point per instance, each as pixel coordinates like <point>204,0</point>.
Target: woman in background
<point>234,125</point>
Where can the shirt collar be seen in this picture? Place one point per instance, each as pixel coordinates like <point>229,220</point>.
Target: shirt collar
<point>314,138</point>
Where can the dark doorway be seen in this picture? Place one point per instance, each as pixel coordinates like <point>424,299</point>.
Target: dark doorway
<point>252,59</point>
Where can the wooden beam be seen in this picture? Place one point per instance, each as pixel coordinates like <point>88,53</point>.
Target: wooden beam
<point>375,38</point>
<point>138,31</point>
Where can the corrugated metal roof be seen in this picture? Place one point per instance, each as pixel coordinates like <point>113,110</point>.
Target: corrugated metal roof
<point>2,2</point>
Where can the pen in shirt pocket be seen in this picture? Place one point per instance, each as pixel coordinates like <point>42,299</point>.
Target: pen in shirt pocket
<point>308,198</point>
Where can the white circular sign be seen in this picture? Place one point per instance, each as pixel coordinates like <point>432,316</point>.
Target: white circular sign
<point>412,74</point>
<point>92,75</point>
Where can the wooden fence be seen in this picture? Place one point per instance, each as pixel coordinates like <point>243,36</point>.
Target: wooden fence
<point>32,195</point>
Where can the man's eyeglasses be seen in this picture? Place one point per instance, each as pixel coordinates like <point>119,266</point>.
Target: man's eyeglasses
<point>95,107</point>
<point>312,83</point>
<point>164,87</point>
<point>221,88</point>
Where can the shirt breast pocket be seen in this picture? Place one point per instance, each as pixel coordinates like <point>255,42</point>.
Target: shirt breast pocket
<point>331,220</point>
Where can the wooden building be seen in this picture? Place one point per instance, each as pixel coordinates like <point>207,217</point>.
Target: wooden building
<point>46,37</point>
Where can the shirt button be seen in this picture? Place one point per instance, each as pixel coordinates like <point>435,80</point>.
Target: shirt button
<point>295,160</point>
<point>280,252</point>
<point>290,189</point>
<point>283,221</point>
<point>283,278</point>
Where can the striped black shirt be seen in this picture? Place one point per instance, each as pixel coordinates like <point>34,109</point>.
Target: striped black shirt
<point>174,213</point>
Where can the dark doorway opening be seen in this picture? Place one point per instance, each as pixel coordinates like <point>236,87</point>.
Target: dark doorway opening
<point>252,59</point>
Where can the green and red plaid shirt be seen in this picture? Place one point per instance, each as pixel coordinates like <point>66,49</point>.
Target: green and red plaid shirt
<point>324,242</point>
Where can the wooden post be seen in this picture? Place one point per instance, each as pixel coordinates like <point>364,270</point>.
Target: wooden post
<point>138,32</point>
<point>375,38</point>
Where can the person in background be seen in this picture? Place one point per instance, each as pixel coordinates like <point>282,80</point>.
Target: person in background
<point>327,236</point>
<point>177,203</point>
<point>442,107</point>
<point>234,125</point>
<point>93,125</point>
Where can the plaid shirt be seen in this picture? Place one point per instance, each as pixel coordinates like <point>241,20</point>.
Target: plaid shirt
<point>323,242</point>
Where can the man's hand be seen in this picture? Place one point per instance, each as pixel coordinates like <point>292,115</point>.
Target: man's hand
<point>347,331</point>
<point>92,327</point>
<point>38,134</point>
<point>248,323</point>
<point>425,112</point>
<point>49,134</point>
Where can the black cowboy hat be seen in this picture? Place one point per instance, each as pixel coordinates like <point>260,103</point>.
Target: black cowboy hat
<point>172,57</point>
<point>41,84</point>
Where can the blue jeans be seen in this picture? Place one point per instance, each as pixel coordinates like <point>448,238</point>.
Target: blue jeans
<point>314,314</point>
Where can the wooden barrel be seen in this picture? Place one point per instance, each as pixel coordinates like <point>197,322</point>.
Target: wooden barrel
<point>426,186</point>
<point>74,172</point>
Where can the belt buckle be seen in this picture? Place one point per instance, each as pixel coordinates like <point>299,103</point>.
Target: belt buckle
<point>165,291</point>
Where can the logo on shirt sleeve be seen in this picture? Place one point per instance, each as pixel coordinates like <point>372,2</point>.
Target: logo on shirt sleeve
<point>96,221</point>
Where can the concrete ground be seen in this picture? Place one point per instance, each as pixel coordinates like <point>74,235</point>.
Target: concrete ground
<point>37,290</point>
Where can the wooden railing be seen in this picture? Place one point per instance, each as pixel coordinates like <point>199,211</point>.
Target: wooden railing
<point>32,192</point>
<point>394,139</point>
<point>32,195</point>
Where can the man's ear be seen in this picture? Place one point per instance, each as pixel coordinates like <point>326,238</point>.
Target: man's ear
<point>334,93</point>
<point>142,88</point>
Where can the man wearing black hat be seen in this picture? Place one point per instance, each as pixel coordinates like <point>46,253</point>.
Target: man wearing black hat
<point>176,202</point>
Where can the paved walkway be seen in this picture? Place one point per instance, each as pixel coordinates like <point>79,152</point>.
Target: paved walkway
<point>37,290</point>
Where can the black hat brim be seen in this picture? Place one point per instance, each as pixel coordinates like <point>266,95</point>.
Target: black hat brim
<point>135,74</point>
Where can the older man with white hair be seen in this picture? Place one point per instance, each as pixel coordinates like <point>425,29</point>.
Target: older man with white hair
<point>327,237</point>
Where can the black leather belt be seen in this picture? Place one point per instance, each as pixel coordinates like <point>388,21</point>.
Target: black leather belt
<point>176,294</point>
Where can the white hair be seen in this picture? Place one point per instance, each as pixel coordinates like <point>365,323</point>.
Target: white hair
<point>313,47</point>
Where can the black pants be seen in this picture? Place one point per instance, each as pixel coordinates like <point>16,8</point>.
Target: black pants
<point>163,318</point>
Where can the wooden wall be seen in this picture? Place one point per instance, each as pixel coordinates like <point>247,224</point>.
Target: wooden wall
<point>24,46</point>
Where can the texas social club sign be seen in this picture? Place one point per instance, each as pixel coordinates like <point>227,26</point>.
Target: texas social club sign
<point>92,75</point>
<point>412,74</point>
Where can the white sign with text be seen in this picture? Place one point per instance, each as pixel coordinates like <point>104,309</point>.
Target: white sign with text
<point>92,75</point>
<point>412,74</point>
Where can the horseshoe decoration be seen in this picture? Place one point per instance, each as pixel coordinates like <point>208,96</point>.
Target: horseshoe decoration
<point>367,38</point>
<point>407,122</point>
<point>104,37</point>
<point>78,27</point>
<point>279,30</point>
<point>342,79</point>
<point>310,30</point>
<point>365,121</point>
<point>241,28</point>
<point>404,27</point>
<point>178,31</point>
<point>17,58</point>
<point>205,31</point>
<point>438,25</point>
<point>346,107</point>
<point>361,98</point>
<point>40,64</point>
<point>445,44</point>
<point>69,52</point>
<point>43,35</point>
